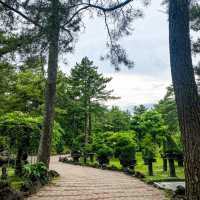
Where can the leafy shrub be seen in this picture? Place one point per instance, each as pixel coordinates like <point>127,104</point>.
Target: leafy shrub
<point>104,151</point>
<point>127,152</point>
<point>20,128</point>
<point>88,148</point>
<point>3,143</point>
<point>36,172</point>
<point>77,143</point>
<point>120,140</point>
<point>103,154</point>
<point>149,148</point>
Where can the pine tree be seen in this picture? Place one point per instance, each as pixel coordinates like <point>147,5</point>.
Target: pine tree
<point>89,88</point>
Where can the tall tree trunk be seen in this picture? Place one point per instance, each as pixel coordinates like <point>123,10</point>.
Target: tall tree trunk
<point>19,164</point>
<point>86,128</point>
<point>90,126</point>
<point>186,94</point>
<point>90,123</point>
<point>164,165</point>
<point>44,151</point>
<point>150,168</point>
<point>172,169</point>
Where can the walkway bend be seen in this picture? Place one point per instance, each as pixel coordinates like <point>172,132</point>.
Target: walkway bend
<point>84,183</point>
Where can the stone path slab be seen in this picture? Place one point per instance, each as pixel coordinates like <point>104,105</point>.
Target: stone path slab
<point>84,183</point>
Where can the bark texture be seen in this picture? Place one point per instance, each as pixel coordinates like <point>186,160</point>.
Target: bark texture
<point>186,94</point>
<point>172,170</point>
<point>44,151</point>
<point>164,165</point>
<point>150,168</point>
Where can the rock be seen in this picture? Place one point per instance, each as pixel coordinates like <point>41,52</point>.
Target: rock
<point>180,190</point>
<point>139,175</point>
<point>64,159</point>
<point>53,174</point>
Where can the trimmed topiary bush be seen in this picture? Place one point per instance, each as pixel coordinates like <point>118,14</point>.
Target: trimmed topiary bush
<point>149,153</point>
<point>124,148</point>
<point>103,155</point>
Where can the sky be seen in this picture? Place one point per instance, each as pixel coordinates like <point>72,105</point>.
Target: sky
<point>148,46</point>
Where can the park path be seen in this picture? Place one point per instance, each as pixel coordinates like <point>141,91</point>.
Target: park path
<point>84,183</point>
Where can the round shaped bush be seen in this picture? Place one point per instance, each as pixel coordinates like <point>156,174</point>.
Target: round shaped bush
<point>103,154</point>
<point>126,155</point>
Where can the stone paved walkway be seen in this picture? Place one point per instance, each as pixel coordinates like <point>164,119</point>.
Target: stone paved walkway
<point>83,183</point>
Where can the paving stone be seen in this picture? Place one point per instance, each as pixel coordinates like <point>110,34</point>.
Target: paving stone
<point>85,183</point>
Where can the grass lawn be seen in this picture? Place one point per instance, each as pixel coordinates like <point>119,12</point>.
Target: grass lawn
<point>158,169</point>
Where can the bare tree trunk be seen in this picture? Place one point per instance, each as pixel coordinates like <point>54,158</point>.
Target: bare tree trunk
<point>90,127</point>
<point>44,150</point>
<point>172,169</point>
<point>164,165</point>
<point>186,93</point>
<point>86,128</point>
<point>19,164</point>
<point>90,123</point>
<point>150,169</point>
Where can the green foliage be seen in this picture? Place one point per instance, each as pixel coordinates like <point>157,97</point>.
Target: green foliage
<point>21,129</point>
<point>22,88</point>
<point>35,171</point>
<point>88,148</point>
<point>78,143</point>
<point>24,130</point>
<point>173,144</point>
<point>138,110</point>
<point>149,149</point>
<point>126,152</point>
<point>159,175</point>
<point>153,124</point>
<point>7,81</point>
<point>118,141</point>
<point>148,124</point>
<point>116,120</point>
<point>87,88</point>
<point>104,151</point>
<point>167,108</point>
<point>3,143</point>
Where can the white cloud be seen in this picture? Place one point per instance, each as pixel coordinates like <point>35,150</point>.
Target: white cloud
<point>135,89</point>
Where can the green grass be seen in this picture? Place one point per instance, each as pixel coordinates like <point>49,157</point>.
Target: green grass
<point>157,167</point>
<point>14,180</point>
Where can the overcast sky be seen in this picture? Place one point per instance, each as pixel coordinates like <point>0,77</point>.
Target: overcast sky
<point>148,47</point>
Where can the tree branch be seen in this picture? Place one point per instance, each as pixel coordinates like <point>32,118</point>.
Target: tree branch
<point>75,14</point>
<point>109,9</point>
<point>20,13</point>
<point>107,27</point>
<point>89,5</point>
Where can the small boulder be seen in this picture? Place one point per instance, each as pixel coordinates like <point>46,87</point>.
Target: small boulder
<point>139,175</point>
<point>180,190</point>
<point>53,174</point>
